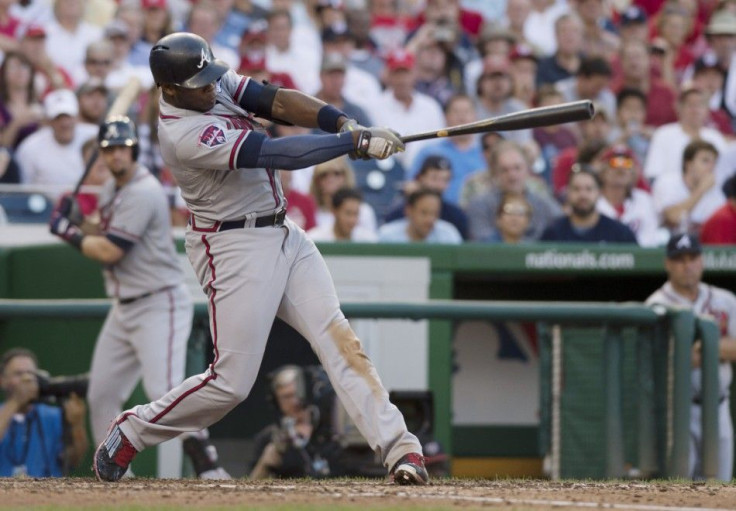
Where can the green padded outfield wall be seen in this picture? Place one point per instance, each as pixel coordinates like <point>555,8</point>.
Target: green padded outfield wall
<point>470,271</point>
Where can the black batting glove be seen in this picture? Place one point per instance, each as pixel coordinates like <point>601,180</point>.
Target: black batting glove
<point>69,208</point>
<point>61,226</point>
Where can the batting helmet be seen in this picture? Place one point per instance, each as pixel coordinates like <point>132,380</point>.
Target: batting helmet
<point>118,131</point>
<point>185,60</point>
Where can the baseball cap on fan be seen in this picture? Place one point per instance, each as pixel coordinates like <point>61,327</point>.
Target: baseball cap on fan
<point>153,4</point>
<point>256,32</point>
<point>707,61</point>
<point>93,84</point>
<point>60,102</point>
<point>619,156</point>
<point>681,244</point>
<point>721,23</point>
<point>336,33</point>
<point>116,28</point>
<point>633,14</point>
<point>333,61</point>
<point>434,161</point>
<point>400,59</point>
<point>522,51</point>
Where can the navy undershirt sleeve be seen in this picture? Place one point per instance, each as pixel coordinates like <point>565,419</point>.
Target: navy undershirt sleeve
<point>121,243</point>
<point>291,153</point>
<point>249,99</point>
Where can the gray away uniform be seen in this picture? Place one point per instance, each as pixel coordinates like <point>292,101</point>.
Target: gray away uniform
<point>720,304</point>
<point>251,275</point>
<point>146,331</point>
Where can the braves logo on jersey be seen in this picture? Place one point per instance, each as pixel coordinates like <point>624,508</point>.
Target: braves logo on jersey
<point>212,136</point>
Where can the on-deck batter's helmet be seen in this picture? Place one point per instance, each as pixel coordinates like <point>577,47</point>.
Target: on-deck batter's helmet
<point>118,131</point>
<point>185,60</point>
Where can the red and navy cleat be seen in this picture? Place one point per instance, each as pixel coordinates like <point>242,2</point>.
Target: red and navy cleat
<point>113,456</point>
<point>410,470</point>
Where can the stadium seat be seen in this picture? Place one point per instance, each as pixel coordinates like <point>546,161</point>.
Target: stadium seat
<point>26,208</point>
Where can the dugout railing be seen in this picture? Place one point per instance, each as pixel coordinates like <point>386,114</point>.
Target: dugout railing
<point>665,334</point>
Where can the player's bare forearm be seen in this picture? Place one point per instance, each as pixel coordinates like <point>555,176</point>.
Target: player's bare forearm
<point>727,349</point>
<point>298,108</point>
<point>101,249</point>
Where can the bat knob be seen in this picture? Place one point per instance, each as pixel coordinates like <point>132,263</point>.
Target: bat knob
<point>591,108</point>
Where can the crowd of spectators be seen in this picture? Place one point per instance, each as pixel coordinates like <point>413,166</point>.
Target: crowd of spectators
<point>655,160</point>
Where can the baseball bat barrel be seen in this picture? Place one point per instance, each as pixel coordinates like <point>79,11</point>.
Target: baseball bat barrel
<point>521,120</point>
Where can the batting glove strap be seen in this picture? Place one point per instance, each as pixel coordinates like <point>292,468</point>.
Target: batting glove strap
<point>348,127</point>
<point>363,144</point>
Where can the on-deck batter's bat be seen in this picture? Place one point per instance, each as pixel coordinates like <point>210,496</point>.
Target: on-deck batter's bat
<point>120,106</point>
<point>523,119</point>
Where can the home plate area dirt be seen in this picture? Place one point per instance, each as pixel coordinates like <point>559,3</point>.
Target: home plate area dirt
<point>333,495</point>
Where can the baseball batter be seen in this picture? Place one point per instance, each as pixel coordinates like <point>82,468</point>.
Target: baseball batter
<point>252,261</point>
<point>684,265</point>
<point>147,329</point>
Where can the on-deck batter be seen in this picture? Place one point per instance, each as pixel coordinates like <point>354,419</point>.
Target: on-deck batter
<point>147,329</point>
<point>253,263</point>
<point>684,288</point>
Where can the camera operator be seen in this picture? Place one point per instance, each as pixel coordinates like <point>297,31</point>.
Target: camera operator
<point>301,443</point>
<point>33,434</point>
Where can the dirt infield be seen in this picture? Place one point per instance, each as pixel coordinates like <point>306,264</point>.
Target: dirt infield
<point>354,495</point>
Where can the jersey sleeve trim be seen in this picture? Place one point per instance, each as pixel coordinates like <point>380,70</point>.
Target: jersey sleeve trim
<point>241,89</point>
<point>235,149</point>
<point>122,243</point>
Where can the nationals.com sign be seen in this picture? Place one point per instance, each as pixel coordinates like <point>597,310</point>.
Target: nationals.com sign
<point>579,260</point>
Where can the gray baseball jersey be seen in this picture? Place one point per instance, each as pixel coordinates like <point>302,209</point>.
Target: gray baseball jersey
<point>721,304</point>
<point>201,151</point>
<point>251,275</point>
<point>139,213</point>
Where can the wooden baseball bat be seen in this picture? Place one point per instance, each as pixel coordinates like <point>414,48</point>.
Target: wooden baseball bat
<point>120,106</point>
<point>125,98</point>
<point>523,119</point>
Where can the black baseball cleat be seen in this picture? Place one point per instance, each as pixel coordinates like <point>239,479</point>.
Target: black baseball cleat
<point>113,456</point>
<point>204,458</point>
<point>410,470</point>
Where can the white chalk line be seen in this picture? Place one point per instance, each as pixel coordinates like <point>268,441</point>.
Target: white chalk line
<point>499,500</point>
